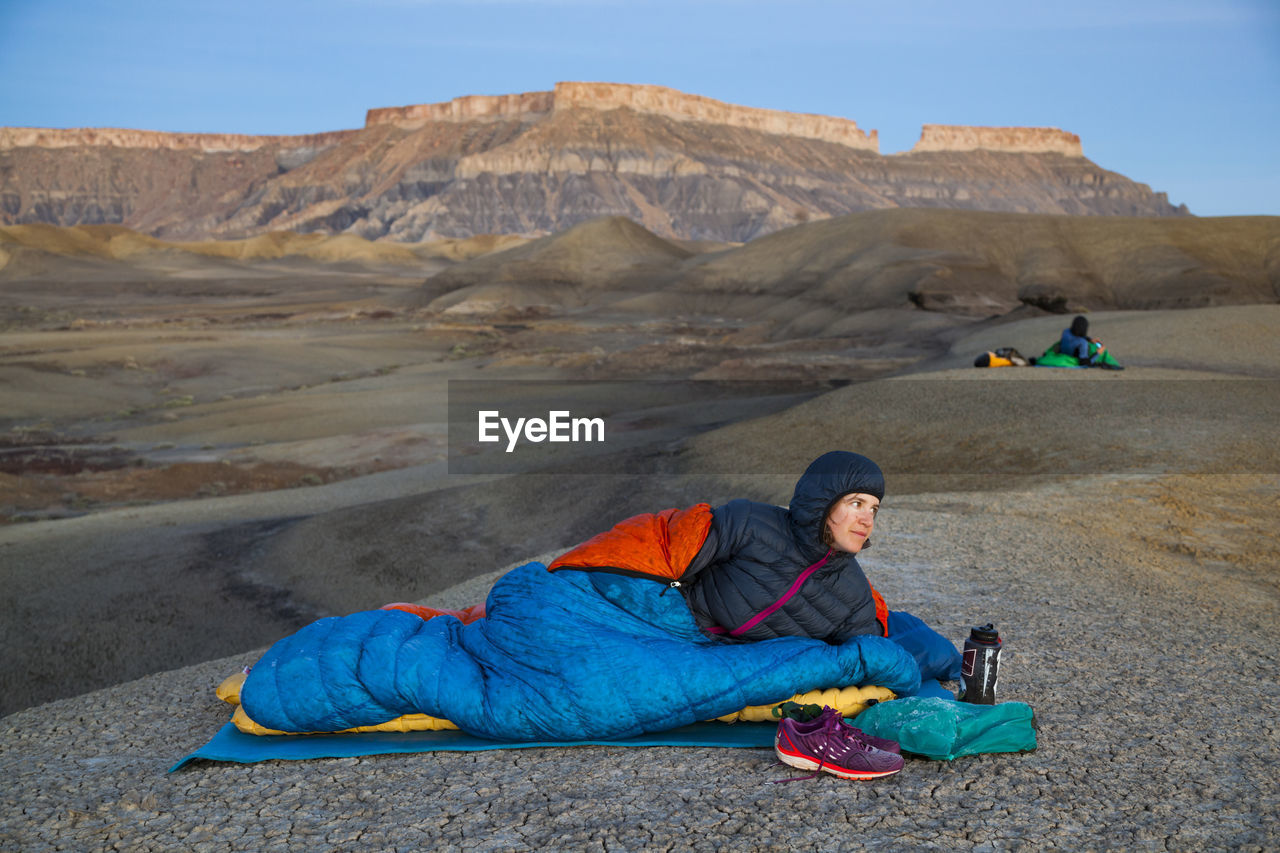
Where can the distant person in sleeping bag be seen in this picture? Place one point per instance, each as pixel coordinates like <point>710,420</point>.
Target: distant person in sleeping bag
<point>1075,342</point>
<point>767,571</point>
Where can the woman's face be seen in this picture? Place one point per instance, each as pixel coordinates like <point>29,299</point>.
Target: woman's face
<point>851,519</point>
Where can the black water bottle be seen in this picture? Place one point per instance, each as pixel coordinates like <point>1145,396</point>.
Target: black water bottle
<point>981,666</point>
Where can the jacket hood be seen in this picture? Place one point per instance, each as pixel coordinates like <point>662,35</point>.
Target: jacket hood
<point>827,479</point>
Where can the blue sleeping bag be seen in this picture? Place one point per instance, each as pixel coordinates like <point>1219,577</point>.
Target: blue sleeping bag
<point>559,656</point>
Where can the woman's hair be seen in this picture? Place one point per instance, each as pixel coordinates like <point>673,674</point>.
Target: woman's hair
<point>1080,327</point>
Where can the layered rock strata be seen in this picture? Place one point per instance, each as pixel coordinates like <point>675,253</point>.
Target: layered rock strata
<point>1010,140</point>
<point>466,108</point>
<point>681,165</point>
<point>647,100</point>
<point>153,140</point>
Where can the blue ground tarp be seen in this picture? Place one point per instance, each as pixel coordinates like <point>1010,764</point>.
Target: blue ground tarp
<point>230,744</point>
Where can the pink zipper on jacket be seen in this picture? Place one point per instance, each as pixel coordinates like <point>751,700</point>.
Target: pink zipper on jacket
<point>773,608</point>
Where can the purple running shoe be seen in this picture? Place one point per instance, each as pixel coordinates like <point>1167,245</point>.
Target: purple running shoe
<point>829,745</point>
<point>870,740</point>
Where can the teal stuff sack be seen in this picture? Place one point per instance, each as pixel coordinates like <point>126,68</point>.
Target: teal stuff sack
<point>943,729</point>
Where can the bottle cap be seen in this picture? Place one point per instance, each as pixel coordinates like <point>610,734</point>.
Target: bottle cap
<point>985,634</point>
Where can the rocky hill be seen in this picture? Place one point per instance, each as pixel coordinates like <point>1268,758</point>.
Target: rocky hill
<point>815,279</point>
<point>685,167</point>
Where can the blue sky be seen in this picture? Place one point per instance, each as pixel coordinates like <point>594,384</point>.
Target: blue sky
<point>1183,95</point>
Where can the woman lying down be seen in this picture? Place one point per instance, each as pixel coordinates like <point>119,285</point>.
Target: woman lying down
<point>772,602</point>
<point>764,572</point>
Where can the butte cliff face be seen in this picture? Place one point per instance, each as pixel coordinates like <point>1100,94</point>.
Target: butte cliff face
<point>683,166</point>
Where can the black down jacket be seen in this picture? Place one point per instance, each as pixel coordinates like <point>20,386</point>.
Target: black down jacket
<point>755,553</point>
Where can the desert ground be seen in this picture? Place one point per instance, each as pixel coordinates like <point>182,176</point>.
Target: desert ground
<point>202,459</point>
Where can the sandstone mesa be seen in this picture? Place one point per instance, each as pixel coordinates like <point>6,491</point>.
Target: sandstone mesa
<point>532,163</point>
<point>651,100</point>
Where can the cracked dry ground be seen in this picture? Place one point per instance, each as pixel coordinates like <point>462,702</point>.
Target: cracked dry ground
<point>1139,617</point>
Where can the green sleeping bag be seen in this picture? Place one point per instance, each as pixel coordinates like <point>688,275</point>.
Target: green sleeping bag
<point>1053,358</point>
